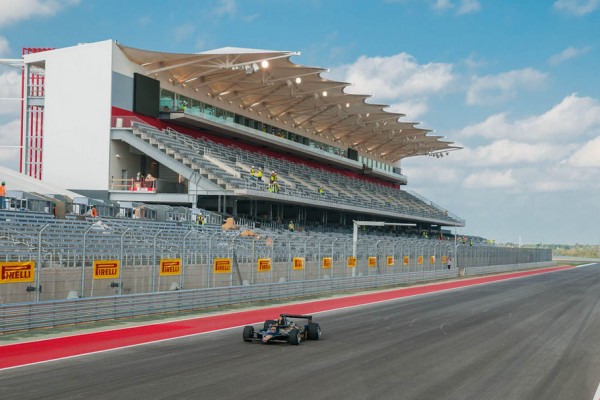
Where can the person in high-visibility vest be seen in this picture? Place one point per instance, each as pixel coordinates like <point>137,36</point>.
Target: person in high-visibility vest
<point>3,196</point>
<point>259,174</point>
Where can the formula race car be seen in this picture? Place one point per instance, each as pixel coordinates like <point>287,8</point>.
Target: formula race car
<point>284,330</point>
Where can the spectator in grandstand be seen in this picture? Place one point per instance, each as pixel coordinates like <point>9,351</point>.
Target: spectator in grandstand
<point>150,181</point>
<point>291,226</point>
<point>93,212</point>
<point>3,196</point>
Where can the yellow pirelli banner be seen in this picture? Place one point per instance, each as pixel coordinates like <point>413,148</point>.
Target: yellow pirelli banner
<point>390,261</point>
<point>17,271</point>
<point>406,260</point>
<point>222,265</point>
<point>327,262</point>
<point>170,267</point>
<point>351,263</point>
<point>298,264</point>
<point>106,269</point>
<point>420,260</point>
<point>264,264</point>
<point>372,262</point>
<point>444,258</point>
<point>431,260</point>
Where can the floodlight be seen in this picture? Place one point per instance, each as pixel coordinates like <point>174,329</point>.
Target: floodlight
<point>298,80</point>
<point>264,64</point>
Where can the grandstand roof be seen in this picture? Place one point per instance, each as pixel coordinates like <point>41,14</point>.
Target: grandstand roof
<point>20,182</point>
<point>268,83</point>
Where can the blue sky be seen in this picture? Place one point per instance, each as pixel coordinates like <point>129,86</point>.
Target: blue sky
<point>516,83</point>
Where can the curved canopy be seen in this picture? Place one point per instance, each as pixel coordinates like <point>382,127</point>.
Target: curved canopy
<point>297,96</point>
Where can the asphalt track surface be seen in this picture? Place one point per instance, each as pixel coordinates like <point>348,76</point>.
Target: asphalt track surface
<point>534,337</point>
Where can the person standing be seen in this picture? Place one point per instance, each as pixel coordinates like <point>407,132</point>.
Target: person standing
<point>3,196</point>
<point>449,262</point>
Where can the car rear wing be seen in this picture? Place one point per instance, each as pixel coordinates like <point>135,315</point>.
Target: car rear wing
<point>308,317</point>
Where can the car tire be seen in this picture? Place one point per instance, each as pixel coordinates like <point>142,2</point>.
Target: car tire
<point>268,323</point>
<point>248,334</point>
<point>314,331</point>
<point>295,337</point>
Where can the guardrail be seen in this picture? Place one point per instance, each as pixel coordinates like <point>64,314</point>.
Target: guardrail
<point>21,317</point>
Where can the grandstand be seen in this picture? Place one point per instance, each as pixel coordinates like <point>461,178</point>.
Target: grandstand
<point>197,123</point>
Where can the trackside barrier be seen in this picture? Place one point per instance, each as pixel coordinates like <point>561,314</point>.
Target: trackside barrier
<point>45,314</point>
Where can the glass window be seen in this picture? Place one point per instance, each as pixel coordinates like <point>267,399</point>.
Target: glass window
<point>166,100</point>
<point>209,110</point>
<point>219,113</point>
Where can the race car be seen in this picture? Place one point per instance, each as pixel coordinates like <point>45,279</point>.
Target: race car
<point>284,330</point>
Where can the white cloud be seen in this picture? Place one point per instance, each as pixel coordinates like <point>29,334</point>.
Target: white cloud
<point>226,7</point>
<point>468,6</point>
<point>15,11</point>
<point>397,76</point>
<point>490,179</point>
<point>492,89</point>
<point>442,5</point>
<point>412,108</point>
<point>567,54</point>
<point>577,7</point>
<point>461,6</point>
<point>4,46</point>
<point>587,156</point>
<point>506,152</point>
<point>573,117</point>
<point>10,88</point>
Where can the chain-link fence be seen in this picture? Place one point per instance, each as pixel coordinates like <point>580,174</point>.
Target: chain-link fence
<point>80,259</point>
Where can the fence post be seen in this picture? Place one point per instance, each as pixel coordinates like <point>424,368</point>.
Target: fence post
<point>210,260</point>
<point>153,279</point>
<point>332,253</point>
<point>319,260</point>
<point>83,262</point>
<point>121,261</point>
<point>39,268</point>
<point>182,276</point>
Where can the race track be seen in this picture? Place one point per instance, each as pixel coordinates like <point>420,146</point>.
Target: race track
<point>529,338</point>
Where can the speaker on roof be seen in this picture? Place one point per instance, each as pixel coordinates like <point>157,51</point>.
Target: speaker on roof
<point>146,95</point>
<point>352,154</point>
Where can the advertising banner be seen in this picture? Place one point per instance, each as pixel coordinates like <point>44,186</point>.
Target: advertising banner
<point>351,262</point>
<point>18,271</point>
<point>106,269</point>
<point>264,264</point>
<point>298,264</point>
<point>170,267</point>
<point>222,265</point>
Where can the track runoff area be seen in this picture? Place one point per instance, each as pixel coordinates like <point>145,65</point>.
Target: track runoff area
<point>402,310</point>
